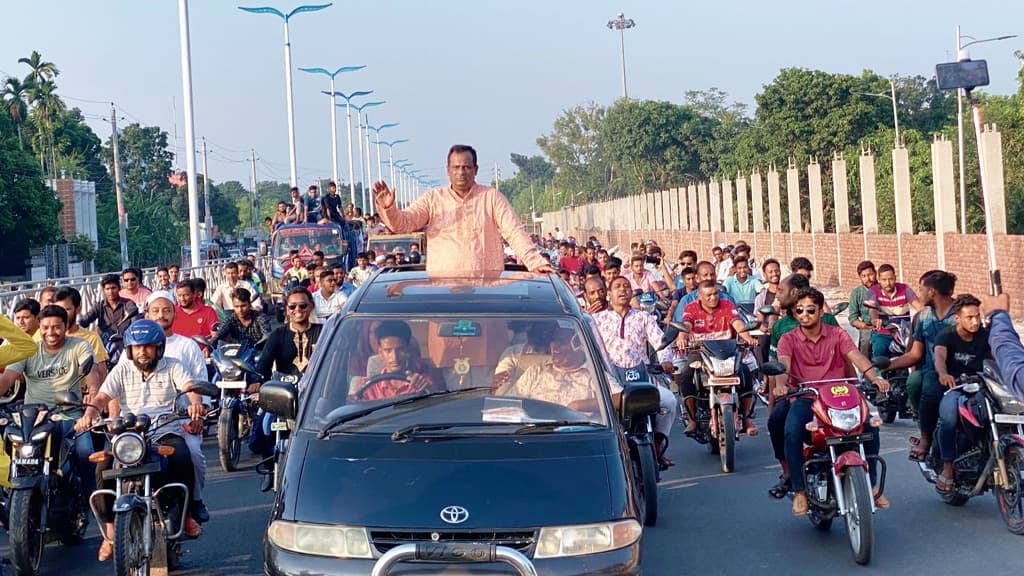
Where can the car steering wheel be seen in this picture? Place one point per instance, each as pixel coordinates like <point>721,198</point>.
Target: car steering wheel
<point>379,378</point>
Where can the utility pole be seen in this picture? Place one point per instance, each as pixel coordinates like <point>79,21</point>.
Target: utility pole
<point>252,193</point>
<point>207,217</point>
<point>497,176</point>
<point>190,142</point>
<point>122,217</point>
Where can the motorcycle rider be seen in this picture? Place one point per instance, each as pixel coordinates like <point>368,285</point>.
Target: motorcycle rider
<point>1005,342</point>
<point>148,385</point>
<point>223,297</point>
<point>626,333</point>
<point>768,296</point>
<point>595,295</point>
<point>713,318</point>
<point>890,299</point>
<point>56,366</point>
<point>192,317</point>
<point>133,288</point>
<point>70,300</point>
<point>244,326</point>
<point>859,314</point>
<point>114,312</point>
<point>959,350</point>
<point>17,343</point>
<point>705,272</point>
<point>817,351</point>
<point>26,315</point>
<point>742,286</point>
<point>937,295</point>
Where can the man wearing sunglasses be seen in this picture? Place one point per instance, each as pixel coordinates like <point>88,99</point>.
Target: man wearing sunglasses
<point>814,352</point>
<point>132,288</point>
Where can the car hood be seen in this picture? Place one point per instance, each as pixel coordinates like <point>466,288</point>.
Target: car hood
<point>502,482</point>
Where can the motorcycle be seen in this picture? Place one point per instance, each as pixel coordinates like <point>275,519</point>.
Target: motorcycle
<point>149,515</point>
<point>897,403</point>
<point>990,447</point>
<point>45,501</point>
<point>235,408</point>
<point>113,341</point>
<point>717,374</point>
<point>835,465</point>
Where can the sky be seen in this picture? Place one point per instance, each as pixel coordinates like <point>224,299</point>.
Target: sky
<point>491,74</point>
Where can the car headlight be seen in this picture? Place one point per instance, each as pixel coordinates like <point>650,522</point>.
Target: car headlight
<point>563,541</point>
<point>129,448</point>
<point>320,540</point>
<point>845,420</point>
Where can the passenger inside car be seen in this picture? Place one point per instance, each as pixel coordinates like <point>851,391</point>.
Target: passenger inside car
<point>402,371</point>
<point>520,356</point>
<point>565,379</point>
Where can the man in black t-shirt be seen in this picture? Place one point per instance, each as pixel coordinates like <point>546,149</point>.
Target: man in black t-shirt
<point>331,206</point>
<point>960,349</point>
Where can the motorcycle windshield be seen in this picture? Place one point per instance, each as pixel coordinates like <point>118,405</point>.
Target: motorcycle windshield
<point>721,349</point>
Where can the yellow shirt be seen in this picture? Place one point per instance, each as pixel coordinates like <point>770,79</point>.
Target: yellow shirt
<point>17,345</point>
<point>98,351</point>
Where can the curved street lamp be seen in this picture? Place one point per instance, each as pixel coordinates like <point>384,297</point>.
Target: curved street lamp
<point>287,70</point>
<point>348,120</point>
<point>334,120</point>
<point>895,118</point>
<point>391,157</point>
<point>364,168</point>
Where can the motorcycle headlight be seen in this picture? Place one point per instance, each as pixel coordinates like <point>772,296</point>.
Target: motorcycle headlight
<point>720,367</point>
<point>27,451</point>
<point>320,540</point>
<point>128,448</point>
<point>845,420</point>
<point>563,541</point>
<point>39,436</point>
<point>15,436</point>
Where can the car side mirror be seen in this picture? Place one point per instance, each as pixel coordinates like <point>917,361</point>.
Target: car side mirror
<point>773,369</point>
<point>840,308</point>
<point>881,362</point>
<point>280,399</point>
<point>67,398</point>
<point>640,399</point>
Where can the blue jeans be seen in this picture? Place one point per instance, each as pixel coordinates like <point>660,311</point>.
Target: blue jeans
<point>85,470</point>
<point>931,396</point>
<point>949,421</point>
<point>799,415</point>
<point>880,344</point>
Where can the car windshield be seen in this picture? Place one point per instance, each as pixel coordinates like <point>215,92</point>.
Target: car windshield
<point>455,372</point>
<point>327,239</point>
<point>385,244</point>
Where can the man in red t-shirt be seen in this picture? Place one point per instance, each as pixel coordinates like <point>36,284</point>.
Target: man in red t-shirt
<point>398,357</point>
<point>192,317</point>
<point>817,351</point>
<point>711,318</point>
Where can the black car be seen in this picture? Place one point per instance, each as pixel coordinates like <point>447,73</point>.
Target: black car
<point>468,422</point>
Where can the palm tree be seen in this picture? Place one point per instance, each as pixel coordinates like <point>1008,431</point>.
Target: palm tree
<point>16,94</point>
<point>41,70</point>
<point>46,106</point>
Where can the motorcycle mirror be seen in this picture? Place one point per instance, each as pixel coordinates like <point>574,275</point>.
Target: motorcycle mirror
<point>753,325</point>
<point>680,327</point>
<point>86,367</point>
<point>204,389</point>
<point>67,398</point>
<point>767,311</point>
<point>244,365</point>
<point>773,369</point>
<point>840,308</point>
<point>663,305</point>
<point>881,362</point>
<point>669,336</point>
<point>202,341</point>
<point>870,304</point>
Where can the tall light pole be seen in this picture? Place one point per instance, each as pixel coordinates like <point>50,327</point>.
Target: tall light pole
<point>288,72</point>
<point>895,117</point>
<point>621,23</point>
<point>348,121</point>
<point>402,165</point>
<point>376,132</point>
<point>391,158</point>
<point>961,55</point>
<point>359,139</point>
<point>334,120</point>
<point>190,142</point>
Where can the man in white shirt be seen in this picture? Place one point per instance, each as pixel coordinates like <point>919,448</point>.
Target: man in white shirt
<point>222,296</point>
<point>723,262</point>
<point>328,299</point>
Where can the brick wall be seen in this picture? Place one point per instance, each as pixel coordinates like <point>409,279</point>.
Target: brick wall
<point>66,195</point>
<point>836,257</point>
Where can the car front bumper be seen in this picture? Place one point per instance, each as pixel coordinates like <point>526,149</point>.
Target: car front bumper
<point>622,562</point>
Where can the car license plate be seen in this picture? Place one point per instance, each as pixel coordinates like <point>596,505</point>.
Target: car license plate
<point>231,384</point>
<point>26,461</point>
<point>724,381</point>
<point>1009,418</point>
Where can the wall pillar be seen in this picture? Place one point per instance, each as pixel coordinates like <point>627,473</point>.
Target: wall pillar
<point>817,201</point>
<point>693,208</point>
<point>901,197</point>
<point>841,194</point>
<point>774,205</point>
<point>741,204</point>
<point>944,196</point>
<point>702,206</point>
<point>995,186</point>
<point>757,201</point>
<point>727,213</point>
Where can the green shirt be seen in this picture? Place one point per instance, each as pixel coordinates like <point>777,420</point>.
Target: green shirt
<point>46,374</point>
<point>858,311</point>
<point>788,323</point>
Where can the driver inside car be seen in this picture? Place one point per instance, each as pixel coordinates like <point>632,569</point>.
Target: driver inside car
<point>564,379</point>
<point>410,375</point>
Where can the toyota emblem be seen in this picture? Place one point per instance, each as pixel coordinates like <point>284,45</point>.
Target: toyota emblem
<point>454,514</point>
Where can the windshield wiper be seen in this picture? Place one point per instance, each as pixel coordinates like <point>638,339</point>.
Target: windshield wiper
<point>348,417</point>
<point>406,432</point>
<point>536,427</point>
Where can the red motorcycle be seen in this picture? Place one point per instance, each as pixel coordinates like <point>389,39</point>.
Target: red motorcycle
<point>835,464</point>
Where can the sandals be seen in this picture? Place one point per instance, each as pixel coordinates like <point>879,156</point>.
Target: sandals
<point>943,485</point>
<point>664,464</point>
<point>919,452</point>
<point>749,428</point>
<point>780,490</point>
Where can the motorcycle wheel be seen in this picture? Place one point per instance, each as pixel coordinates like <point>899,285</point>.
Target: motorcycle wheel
<point>25,537</point>
<point>859,519</point>
<point>75,532</point>
<point>1011,501</point>
<point>727,439</point>
<point>129,549</point>
<point>647,483</point>
<point>822,523</point>
<point>229,443</point>
<point>891,411</point>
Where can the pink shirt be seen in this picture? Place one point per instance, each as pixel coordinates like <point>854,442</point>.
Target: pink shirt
<point>821,360</point>
<point>644,284</point>
<point>139,297</point>
<point>464,234</point>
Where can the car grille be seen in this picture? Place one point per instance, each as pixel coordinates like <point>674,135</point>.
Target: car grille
<point>519,541</point>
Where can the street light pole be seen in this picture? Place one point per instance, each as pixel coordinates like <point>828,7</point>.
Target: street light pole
<point>348,121</point>
<point>621,23</point>
<point>895,117</point>
<point>334,121</point>
<point>287,72</point>
<point>961,55</point>
<point>190,142</point>
<point>359,124</point>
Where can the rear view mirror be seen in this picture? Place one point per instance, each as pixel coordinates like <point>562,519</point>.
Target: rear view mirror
<point>840,308</point>
<point>753,325</point>
<point>66,398</point>
<point>86,367</point>
<point>640,399</point>
<point>881,362</point>
<point>767,311</point>
<point>459,329</point>
<point>280,399</point>
<point>679,326</point>
<point>244,365</point>
<point>668,337</point>
<point>773,369</point>
<point>202,341</point>
<point>204,389</point>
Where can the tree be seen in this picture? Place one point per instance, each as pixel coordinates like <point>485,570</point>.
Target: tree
<point>16,100</point>
<point>145,160</point>
<point>41,70</point>
<point>574,148</point>
<point>82,247</point>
